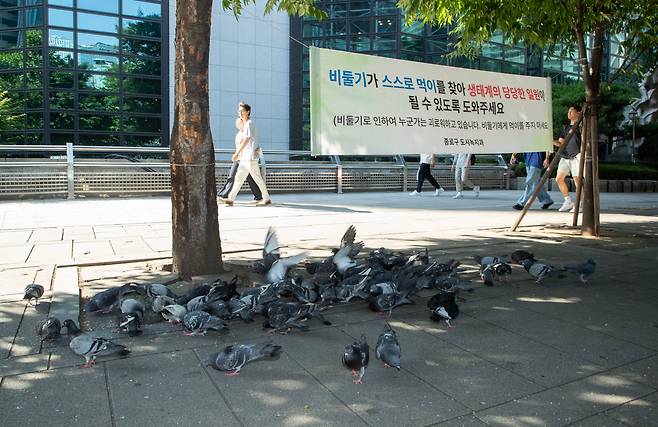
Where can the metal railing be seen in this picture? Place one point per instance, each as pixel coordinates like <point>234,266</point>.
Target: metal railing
<point>77,171</point>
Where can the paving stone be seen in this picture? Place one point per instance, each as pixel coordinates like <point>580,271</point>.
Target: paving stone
<point>568,403</point>
<point>639,412</point>
<point>95,250</point>
<point>64,397</point>
<point>165,389</point>
<point>51,253</point>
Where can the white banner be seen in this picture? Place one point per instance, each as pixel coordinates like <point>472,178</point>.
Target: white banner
<point>368,105</point>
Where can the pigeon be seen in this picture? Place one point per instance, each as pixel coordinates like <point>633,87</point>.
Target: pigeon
<point>519,255</point>
<point>583,270</point>
<point>387,302</point>
<point>104,302</point>
<point>280,268</point>
<point>89,346</point>
<point>271,252</point>
<point>484,261</point>
<point>356,357</point>
<point>503,270</point>
<point>199,322</point>
<point>444,307</point>
<point>153,290</point>
<point>173,313</point>
<point>537,269</point>
<point>33,292</point>
<point>488,274</point>
<point>388,348</point>
<point>132,316</point>
<point>198,291</point>
<point>223,290</point>
<point>158,304</point>
<point>232,358</point>
<point>344,258</point>
<point>49,329</point>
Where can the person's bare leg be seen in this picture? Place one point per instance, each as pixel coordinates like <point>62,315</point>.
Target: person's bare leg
<point>561,180</point>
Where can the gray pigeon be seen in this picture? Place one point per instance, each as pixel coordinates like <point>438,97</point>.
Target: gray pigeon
<point>104,302</point>
<point>89,346</point>
<point>487,260</point>
<point>356,357</point>
<point>584,269</point>
<point>159,302</point>
<point>173,313</point>
<point>232,358</point>
<point>33,292</point>
<point>388,348</point>
<point>199,322</point>
<point>538,270</point>
<point>280,268</point>
<point>49,329</point>
<point>153,290</point>
<point>132,316</point>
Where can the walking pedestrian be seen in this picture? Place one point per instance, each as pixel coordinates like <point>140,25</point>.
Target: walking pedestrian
<point>427,162</point>
<point>535,163</point>
<point>570,158</point>
<point>461,165</point>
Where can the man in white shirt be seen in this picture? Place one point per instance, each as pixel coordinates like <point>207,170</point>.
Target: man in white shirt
<point>427,162</point>
<point>247,153</point>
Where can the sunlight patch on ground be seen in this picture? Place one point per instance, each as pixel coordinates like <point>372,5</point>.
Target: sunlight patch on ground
<point>572,300</point>
<point>289,384</point>
<point>604,398</point>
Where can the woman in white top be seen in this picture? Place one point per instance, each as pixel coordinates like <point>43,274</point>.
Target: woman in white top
<point>461,165</point>
<point>247,153</point>
<point>230,180</point>
<point>427,162</point>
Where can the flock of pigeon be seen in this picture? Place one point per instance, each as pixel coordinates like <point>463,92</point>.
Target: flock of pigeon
<point>292,296</point>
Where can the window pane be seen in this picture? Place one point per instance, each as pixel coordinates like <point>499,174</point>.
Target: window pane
<point>359,8</point>
<point>384,42</point>
<point>105,139</point>
<point>95,62</point>
<point>68,3</point>
<point>61,59</point>
<point>34,59</point>
<point>15,101</point>
<point>98,82</point>
<point>88,21</point>
<point>360,26</point>
<point>61,121</point>
<point>11,19</point>
<point>95,102</point>
<point>11,60</point>
<point>141,47</point>
<point>34,138</point>
<point>142,105</point>
<point>11,122</point>
<point>61,79</point>
<point>61,138</point>
<point>61,100</point>
<point>141,66</point>
<point>60,38</point>
<point>33,17</point>
<point>137,85</point>
<point>11,81</point>
<point>137,27</point>
<point>110,6</point>
<point>143,141</point>
<point>141,8</point>
<point>60,18</point>
<point>34,120</point>
<point>12,39</point>
<point>411,43</point>
<point>34,80</point>
<point>34,100</point>
<point>98,43</point>
<point>34,38</point>
<point>99,122</point>
<point>143,124</point>
<point>385,24</point>
<point>10,3</point>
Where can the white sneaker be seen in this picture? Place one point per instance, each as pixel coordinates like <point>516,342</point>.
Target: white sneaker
<point>476,190</point>
<point>566,206</point>
<point>414,193</point>
<point>458,195</point>
<point>573,210</point>
<point>438,191</point>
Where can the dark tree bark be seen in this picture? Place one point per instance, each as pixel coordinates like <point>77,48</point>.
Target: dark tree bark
<point>196,244</point>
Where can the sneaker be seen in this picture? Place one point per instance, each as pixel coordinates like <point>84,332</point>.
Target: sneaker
<point>414,193</point>
<point>566,206</point>
<point>573,210</point>
<point>439,191</point>
<point>476,190</point>
<point>547,205</point>
<point>517,207</point>
<point>228,202</point>
<point>264,202</point>
<point>459,195</point>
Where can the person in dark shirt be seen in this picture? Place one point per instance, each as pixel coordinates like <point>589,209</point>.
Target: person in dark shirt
<point>534,165</point>
<point>570,158</point>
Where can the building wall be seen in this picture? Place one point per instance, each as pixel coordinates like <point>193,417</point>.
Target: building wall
<point>249,61</point>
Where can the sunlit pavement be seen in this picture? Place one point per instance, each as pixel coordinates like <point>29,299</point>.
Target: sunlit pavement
<point>521,354</point>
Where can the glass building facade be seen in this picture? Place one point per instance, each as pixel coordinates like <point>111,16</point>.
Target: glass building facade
<point>377,27</point>
<point>90,72</point>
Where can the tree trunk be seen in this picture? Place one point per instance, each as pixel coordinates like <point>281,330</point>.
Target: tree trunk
<point>196,245</point>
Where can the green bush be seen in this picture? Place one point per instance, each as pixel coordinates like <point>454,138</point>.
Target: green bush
<point>627,171</point>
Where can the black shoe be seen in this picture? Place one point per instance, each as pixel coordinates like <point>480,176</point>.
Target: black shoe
<point>547,205</point>
<point>517,207</point>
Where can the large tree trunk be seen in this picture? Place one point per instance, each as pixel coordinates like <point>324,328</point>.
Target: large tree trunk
<point>196,245</point>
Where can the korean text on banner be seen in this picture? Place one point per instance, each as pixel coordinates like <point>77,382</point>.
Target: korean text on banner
<point>369,105</point>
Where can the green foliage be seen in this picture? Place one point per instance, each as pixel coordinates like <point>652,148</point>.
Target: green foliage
<point>9,119</point>
<point>627,171</point>
<point>292,7</point>
<point>648,152</point>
